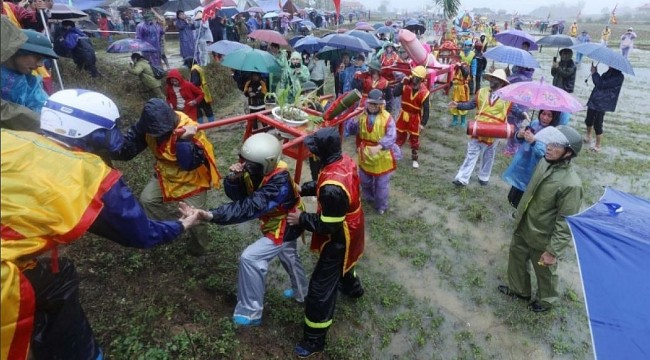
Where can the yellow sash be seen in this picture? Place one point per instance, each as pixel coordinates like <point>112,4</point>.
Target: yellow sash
<point>176,183</point>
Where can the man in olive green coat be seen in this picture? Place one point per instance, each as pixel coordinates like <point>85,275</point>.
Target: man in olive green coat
<point>541,231</point>
<point>141,67</point>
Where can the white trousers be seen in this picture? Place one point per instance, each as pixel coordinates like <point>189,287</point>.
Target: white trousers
<point>476,149</point>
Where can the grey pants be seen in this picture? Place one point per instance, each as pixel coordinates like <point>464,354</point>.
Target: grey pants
<point>152,200</point>
<point>253,267</point>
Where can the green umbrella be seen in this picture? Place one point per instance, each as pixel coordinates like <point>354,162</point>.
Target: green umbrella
<point>253,60</point>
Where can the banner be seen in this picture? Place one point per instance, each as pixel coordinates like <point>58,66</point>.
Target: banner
<point>210,10</point>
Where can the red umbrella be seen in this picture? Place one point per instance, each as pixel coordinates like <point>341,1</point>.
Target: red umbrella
<point>270,36</point>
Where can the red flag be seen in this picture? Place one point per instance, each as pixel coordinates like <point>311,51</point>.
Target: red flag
<point>337,6</point>
<point>280,4</point>
<point>210,10</point>
<point>612,19</point>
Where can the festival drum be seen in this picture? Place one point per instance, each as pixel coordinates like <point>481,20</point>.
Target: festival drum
<point>496,130</point>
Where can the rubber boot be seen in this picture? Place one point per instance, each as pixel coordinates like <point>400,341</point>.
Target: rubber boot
<point>211,118</point>
<point>454,121</point>
<point>313,342</point>
<point>463,120</point>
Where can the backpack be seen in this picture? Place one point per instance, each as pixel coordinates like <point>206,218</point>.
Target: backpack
<point>158,72</point>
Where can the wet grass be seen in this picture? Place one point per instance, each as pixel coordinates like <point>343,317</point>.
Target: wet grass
<point>430,271</point>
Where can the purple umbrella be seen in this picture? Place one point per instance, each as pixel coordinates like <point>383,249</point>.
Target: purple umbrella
<point>516,38</point>
<point>130,45</point>
<point>511,55</point>
<point>346,42</point>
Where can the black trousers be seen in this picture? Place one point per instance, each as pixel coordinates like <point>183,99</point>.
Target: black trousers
<point>61,329</point>
<point>514,196</point>
<point>321,297</point>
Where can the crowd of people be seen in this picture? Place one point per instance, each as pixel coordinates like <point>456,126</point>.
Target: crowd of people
<point>77,129</point>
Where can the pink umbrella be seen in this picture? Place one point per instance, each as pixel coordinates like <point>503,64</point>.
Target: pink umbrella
<point>270,36</point>
<point>365,27</point>
<point>540,95</point>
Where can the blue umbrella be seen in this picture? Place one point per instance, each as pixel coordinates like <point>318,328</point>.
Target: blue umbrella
<point>331,53</point>
<point>558,40</point>
<point>415,26</point>
<point>369,38</point>
<point>97,10</point>
<point>516,38</point>
<point>346,42</point>
<point>308,24</point>
<point>310,44</point>
<point>294,40</point>
<point>605,55</point>
<point>385,30</point>
<point>511,55</point>
<point>225,47</point>
<point>377,25</point>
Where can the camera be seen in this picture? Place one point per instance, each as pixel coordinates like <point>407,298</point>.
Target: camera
<point>554,58</point>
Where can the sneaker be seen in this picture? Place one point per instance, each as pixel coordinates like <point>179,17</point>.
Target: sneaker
<point>458,183</point>
<point>288,294</point>
<point>381,212</point>
<point>538,307</point>
<point>304,350</point>
<point>506,291</point>
<point>483,182</point>
<point>244,321</point>
<point>415,164</point>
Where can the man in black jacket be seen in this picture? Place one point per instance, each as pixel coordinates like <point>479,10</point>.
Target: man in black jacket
<point>338,235</point>
<point>604,97</point>
<point>564,77</point>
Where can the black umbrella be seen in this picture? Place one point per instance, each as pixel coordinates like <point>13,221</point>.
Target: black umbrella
<point>184,5</point>
<point>147,4</point>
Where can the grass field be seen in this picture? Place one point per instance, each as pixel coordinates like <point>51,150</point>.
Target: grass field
<point>430,270</point>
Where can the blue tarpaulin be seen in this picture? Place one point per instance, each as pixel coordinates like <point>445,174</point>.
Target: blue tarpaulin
<point>612,241</point>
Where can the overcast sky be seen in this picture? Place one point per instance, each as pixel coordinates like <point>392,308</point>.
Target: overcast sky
<point>522,6</point>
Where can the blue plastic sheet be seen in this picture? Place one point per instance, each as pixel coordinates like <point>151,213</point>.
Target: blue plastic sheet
<point>612,240</point>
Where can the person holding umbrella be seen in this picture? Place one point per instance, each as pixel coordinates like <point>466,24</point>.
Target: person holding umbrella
<point>604,97</point>
<point>564,77</point>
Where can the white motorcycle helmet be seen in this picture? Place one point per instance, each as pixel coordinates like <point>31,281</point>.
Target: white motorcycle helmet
<point>263,149</point>
<point>75,113</point>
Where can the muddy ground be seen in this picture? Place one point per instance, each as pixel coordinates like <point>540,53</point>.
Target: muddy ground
<point>430,270</point>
